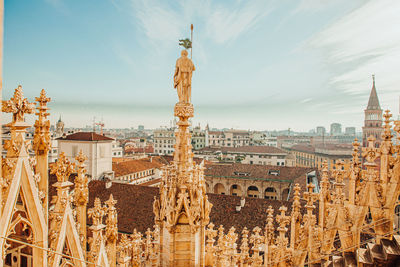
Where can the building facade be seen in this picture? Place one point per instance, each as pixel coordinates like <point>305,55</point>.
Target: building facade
<point>315,155</point>
<point>258,181</point>
<point>229,138</point>
<point>262,155</point>
<point>98,149</point>
<point>164,141</point>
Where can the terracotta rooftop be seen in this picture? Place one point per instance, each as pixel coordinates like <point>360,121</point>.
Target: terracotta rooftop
<point>312,149</point>
<point>169,158</point>
<point>258,172</point>
<point>135,207</point>
<point>85,136</point>
<point>246,149</point>
<point>134,165</point>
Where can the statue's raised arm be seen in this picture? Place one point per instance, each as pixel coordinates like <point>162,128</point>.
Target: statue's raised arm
<point>183,77</point>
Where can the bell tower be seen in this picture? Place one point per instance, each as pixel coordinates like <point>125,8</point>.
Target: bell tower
<point>373,117</point>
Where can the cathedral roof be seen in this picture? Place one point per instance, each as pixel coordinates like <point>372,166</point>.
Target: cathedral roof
<point>373,102</point>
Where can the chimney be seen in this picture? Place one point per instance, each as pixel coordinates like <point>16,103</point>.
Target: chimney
<point>242,203</point>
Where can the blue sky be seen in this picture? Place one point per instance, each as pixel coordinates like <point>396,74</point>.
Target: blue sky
<point>259,64</point>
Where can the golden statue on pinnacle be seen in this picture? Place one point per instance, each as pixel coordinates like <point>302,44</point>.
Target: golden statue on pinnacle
<point>183,77</point>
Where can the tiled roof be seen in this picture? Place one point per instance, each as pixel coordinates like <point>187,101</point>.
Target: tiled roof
<point>170,158</point>
<point>135,207</point>
<point>312,149</point>
<point>303,148</point>
<point>216,132</point>
<point>246,149</point>
<point>133,166</point>
<point>147,149</point>
<point>134,204</point>
<point>85,136</point>
<point>250,171</point>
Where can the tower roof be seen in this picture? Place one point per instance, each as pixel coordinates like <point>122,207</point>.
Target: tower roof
<point>373,102</point>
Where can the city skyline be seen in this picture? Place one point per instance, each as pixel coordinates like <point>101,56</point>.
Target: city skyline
<point>280,64</point>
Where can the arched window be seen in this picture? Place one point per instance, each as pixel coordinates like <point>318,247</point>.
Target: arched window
<point>236,190</point>
<point>219,189</point>
<point>252,191</point>
<point>270,193</point>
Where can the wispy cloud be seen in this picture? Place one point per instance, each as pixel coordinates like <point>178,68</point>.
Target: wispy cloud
<point>228,22</point>
<point>161,21</point>
<point>59,5</point>
<point>157,20</point>
<point>368,40</point>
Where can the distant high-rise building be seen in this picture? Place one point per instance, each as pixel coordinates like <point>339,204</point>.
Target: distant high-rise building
<point>350,131</point>
<point>373,117</point>
<point>336,128</point>
<point>321,130</point>
<point>140,128</point>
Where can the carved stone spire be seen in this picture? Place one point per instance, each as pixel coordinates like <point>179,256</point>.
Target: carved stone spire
<point>111,231</point>
<point>96,241</point>
<point>41,145</point>
<point>183,208</point>
<point>81,196</point>
<point>62,169</point>
<point>41,140</point>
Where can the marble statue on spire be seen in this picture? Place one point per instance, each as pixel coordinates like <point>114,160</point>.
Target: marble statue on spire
<point>183,77</point>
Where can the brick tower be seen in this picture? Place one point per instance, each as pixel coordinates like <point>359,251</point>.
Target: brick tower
<point>373,117</point>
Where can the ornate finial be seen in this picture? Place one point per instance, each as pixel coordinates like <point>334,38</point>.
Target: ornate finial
<point>370,153</point>
<point>373,79</point>
<point>112,220</point>
<point>41,140</point>
<point>42,101</point>
<point>296,198</point>
<point>244,248</point>
<point>356,149</point>
<point>310,196</point>
<point>97,212</point>
<point>269,227</point>
<point>387,133</point>
<point>62,168</point>
<point>283,220</point>
<point>325,177</point>
<point>81,158</point>
<point>81,195</point>
<point>338,172</point>
<point>18,106</point>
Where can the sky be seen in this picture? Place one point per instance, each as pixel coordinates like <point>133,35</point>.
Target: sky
<point>260,64</point>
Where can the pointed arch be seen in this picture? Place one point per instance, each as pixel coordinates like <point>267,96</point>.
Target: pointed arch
<point>69,235</point>
<point>23,185</point>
